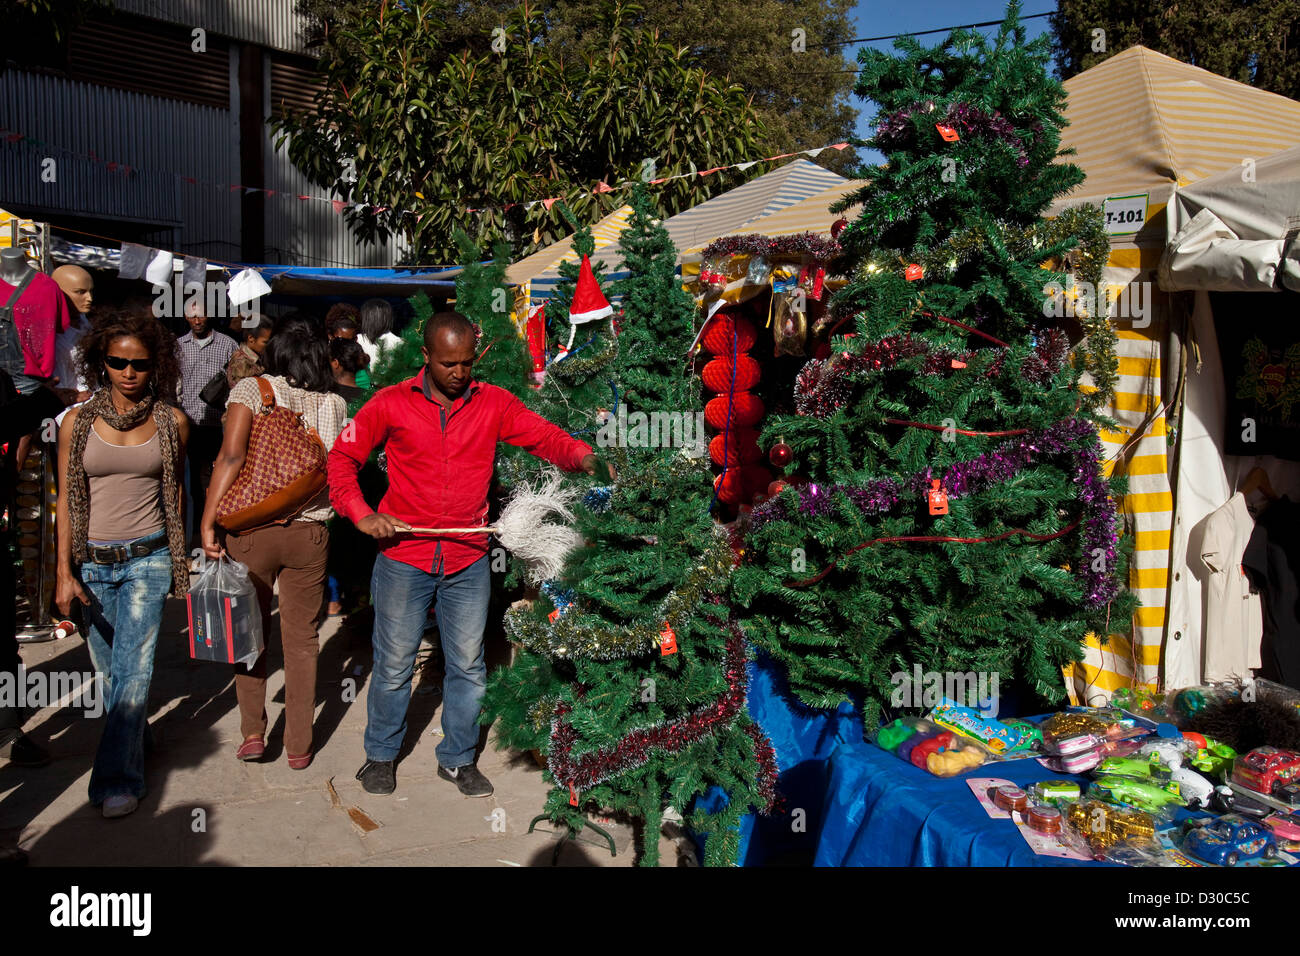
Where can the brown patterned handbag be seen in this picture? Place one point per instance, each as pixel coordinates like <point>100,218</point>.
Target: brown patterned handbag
<point>284,469</point>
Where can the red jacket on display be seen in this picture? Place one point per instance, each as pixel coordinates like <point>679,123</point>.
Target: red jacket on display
<point>439,464</point>
<point>39,316</point>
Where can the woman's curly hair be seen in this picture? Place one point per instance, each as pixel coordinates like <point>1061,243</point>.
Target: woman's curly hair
<point>108,324</point>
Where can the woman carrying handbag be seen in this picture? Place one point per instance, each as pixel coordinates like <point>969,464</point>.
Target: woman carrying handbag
<point>268,492</point>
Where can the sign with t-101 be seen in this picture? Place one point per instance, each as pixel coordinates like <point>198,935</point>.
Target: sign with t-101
<point>1125,214</point>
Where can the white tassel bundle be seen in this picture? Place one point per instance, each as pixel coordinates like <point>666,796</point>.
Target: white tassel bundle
<point>523,527</point>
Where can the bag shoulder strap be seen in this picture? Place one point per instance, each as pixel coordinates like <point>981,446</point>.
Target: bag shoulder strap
<point>20,289</point>
<point>268,393</point>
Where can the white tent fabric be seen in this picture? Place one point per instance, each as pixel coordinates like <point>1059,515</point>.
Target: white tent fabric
<point>1236,232</point>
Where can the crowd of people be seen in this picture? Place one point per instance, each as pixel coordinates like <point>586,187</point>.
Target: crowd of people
<point>156,429</point>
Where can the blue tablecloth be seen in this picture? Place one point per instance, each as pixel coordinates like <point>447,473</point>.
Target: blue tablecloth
<point>882,811</point>
<point>803,739</point>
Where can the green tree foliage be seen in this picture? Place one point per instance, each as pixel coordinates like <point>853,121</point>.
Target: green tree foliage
<point>968,211</point>
<point>587,682</point>
<point>433,127</point>
<point>1252,41</point>
<point>801,97</point>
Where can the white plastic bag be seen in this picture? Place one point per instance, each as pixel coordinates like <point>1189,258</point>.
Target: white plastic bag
<point>225,619</point>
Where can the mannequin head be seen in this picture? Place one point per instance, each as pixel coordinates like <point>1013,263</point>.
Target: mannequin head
<point>13,262</point>
<point>77,284</point>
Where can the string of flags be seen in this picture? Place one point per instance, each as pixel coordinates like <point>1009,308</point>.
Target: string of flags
<point>339,205</point>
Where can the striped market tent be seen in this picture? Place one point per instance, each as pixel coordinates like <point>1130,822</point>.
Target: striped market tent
<point>1141,124</point>
<point>692,228</point>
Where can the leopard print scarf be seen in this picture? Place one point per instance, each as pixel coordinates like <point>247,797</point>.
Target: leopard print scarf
<point>78,491</point>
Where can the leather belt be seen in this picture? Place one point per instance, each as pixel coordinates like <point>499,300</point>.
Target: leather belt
<point>115,554</point>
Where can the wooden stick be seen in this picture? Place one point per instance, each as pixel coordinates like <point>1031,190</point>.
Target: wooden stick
<point>451,530</point>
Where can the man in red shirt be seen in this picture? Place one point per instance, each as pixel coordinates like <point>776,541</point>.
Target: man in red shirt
<point>440,430</point>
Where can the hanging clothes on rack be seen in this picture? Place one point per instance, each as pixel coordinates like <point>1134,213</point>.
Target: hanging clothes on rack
<point>1234,617</point>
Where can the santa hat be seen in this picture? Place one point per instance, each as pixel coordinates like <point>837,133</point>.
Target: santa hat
<point>589,303</point>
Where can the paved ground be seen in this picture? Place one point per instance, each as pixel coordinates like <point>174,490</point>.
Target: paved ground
<point>206,808</point>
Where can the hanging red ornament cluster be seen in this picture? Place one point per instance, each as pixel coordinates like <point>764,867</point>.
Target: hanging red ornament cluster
<point>736,410</point>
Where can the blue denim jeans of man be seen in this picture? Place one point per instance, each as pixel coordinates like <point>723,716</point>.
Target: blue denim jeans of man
<point>125,615</point>
<point>401,594</point>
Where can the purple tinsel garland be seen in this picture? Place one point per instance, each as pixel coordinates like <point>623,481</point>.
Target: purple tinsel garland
<point>1073,438</point>
<point>895,129</point>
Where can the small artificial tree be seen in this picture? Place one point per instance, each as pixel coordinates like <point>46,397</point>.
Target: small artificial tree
<point>631,675</point>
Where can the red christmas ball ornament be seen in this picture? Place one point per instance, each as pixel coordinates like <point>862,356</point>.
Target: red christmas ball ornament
<point>725,334</point>
<point>739,446</point>
<point>775,488</point>
<point>718,375</point>
<point>780,455</point>
<point>746,409</point>
<point>837,227</point>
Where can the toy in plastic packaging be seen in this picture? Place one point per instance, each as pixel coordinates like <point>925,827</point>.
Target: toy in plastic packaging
<point>927,745</point>
<point>1055,792</point>
<point>999,738</point>
<point>1159,802</point>
<point>1099,827</point>
<point>759,271</point>
<point>224,617</point>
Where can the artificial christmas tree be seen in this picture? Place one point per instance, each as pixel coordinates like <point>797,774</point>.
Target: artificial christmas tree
<point>631,675</point>
<point>954,513</point>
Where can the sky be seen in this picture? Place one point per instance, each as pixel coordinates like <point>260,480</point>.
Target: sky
<point>880,17</point>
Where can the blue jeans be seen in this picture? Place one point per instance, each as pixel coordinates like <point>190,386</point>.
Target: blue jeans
<point>125,616</point>
<point>401,595</point>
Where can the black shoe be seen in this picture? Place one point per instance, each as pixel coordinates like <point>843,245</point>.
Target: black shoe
<point>22,752</point>
<point>12,856</point>
<point>468,779</point>
<point>377,776</point>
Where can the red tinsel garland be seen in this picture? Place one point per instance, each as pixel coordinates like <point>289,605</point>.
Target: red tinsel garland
<point>767,769</point>
<point>585,772</point>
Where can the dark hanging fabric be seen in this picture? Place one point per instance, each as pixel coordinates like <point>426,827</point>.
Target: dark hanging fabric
<point>1272,559</point>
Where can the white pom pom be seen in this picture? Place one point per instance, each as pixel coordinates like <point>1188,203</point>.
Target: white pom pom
<point>525,531</point>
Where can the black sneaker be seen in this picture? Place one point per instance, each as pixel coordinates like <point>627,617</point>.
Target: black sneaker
<point>468,779</point>
<point>378,776</point>
<point>23,752</point>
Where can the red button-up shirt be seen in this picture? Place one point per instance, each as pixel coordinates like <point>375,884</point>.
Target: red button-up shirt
<point>439,464</point>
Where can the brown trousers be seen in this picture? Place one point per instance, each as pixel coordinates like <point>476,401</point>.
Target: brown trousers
<point>295,555</point>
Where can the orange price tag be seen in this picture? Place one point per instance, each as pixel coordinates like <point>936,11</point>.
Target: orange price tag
<point>668,641</point>
<point>958,363</point>
<point>553,615</point>
<point>913,272</point>
<point>947,132</point>
<point>938,498</point>
<point>573,796</point>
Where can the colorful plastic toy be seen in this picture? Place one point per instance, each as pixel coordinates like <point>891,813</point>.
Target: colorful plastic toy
<point>950,762</point>
<point>1056,791</point>
<point>1266,769</point>
<point>1285,825</point>
<point>1134,793</point>
<point>929,746</point>
<point>1104,827</point>
<point>1229,840</point>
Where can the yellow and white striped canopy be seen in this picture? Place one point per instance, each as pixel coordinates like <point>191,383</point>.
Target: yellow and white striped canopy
<point>1142,121</point>
<point>549,259</point>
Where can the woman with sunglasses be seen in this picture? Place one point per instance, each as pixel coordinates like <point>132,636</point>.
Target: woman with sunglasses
<point>121,529</point>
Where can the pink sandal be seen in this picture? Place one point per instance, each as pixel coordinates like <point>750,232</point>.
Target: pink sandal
<point>299,761</point>
<point>251,749</point>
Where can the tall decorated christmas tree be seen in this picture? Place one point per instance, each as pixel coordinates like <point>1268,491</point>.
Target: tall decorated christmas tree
<point>631,673</point>
<point>944,504</point>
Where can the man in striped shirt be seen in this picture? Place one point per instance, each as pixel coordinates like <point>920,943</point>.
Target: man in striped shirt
<point>202,353</point>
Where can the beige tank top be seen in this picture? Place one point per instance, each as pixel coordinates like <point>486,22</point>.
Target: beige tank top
<point>125,489</point>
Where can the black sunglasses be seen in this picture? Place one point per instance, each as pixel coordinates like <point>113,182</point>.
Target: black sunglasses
<point>117,363</point>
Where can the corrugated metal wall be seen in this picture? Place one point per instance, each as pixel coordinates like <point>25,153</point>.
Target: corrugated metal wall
<point>163,139</point>
<point>311,233</point>
<point>269,23</point>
